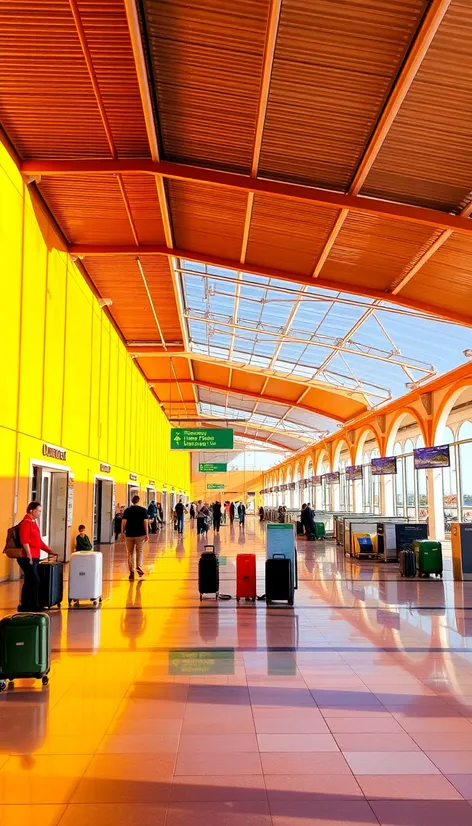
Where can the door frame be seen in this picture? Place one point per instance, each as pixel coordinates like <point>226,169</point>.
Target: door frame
<point>100,477</point>
<point>55,467</point>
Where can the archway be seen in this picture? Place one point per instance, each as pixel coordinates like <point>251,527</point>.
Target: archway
<point>453,426</point>
<point>297,478</point>
<point>342,493</point>
<point>368,491</point>
<point>323,491</point>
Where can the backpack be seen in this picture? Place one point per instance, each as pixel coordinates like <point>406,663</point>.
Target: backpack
<point>13,548</point>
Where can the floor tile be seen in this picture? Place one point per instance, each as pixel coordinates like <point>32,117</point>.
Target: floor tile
<point>221,813</point>
<point>31,815</point>
<point>322,813</point>
<point>407,787</point>
<point>203,788</point>
<point>219,763</point>
<point>373,741</point>
<point>139,744</point>
<point>444,741</point>
<point>304,763</point>
<point>463,783</point>
<point>113,814</point>
<point>297,787</point>
<point>297,742</point>
<point>364,725</point>
<point>394,762</point>
<point>117,778</point>
<point>422,812</point>
<point>196,743</point>
<point>449,762</point>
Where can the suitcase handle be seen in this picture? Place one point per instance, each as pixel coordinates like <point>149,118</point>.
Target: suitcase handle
<point>208,546</point>
<point>279,556</point>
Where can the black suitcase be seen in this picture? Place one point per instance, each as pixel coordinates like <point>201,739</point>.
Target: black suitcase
<point>50,584</point>
<point>208,572</point>
<point>279,579</point>
<point>300,530</point>
<point>407,563</point>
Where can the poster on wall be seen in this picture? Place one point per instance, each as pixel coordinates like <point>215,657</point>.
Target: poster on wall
<point>385,466</point>
<point>70,502</point>
<point>431,457</point>
<point>353,473</point>
<point>331,478</point>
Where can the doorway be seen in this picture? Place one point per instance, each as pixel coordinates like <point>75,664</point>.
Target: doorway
<point>51,488</point>
<point>103,511</point>
<point>164,505</point>
<point>132,491</point>
<point>150,495</point>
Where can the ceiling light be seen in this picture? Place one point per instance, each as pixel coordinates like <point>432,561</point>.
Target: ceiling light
<point>468,353</point>
<point>105,302</point>
<point>410,385</point>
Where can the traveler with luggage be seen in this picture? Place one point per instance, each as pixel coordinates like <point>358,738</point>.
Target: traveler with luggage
<point>217,516</point>
<point>152,515</point>
<point>136,532</point>
<point>180,510</point>
<point>241,514</point>
<point>202,516</point>
<point>30,538</point>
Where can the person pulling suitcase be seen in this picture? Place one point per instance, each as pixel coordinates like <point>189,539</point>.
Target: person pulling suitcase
<point>32,545</point>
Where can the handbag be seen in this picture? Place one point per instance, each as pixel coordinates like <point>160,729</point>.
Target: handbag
<point>13,548</point>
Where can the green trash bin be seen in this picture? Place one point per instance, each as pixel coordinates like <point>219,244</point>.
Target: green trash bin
<point>428,554</point>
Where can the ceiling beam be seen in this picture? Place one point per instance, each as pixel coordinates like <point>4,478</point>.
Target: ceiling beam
<point>421,43</point>
<point>86,250</point>
<point>263,186</point>
<point>222,388</point>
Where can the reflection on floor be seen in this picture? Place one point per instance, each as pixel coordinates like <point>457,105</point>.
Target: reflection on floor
<point>355,707</point>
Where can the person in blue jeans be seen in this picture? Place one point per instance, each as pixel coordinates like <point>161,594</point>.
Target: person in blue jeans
<point>180,510</point>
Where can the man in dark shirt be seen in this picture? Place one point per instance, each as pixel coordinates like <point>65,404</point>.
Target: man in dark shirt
<point>180,509</point>
<point>135,529</point>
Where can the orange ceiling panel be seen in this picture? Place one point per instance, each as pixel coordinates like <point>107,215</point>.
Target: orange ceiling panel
<point>335,404</point>
<point>335,63</point>
<point>288,235</point>
<point>446,277</point>
<point>426,156</point>
<point>207,218</point>
<point>120,279</point>
<point>206,58</point>
<point>372,251</point>
<point>47,103</point>
<point>162,369</point>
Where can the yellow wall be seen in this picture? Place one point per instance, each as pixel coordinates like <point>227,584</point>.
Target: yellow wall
<point>66,378</point>
<point>237,483</point>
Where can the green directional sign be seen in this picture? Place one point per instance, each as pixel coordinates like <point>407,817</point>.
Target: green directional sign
<point>200,438</point>
<point>215,486</point>
<point>212,467</point>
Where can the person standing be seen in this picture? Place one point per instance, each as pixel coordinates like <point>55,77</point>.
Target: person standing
<point>261,514</point>
<point>152,515</point>
<point>231,513</point>
<point>135,527</point>
<point>30,538</point>
<point>180,510</point>
<point>241,513</point>
<point>217,516</point>
<point>161,512</point>
<point>117,521</point>
<point>192,511</point>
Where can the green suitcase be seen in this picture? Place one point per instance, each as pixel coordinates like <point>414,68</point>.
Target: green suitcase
<point>428,554</point>
<point>320,530</point>
<point>25,647</point>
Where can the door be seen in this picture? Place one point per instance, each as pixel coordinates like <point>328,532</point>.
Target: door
<point>45,499</point>
<point>132,491</point>
<point>97,506</point>
<point>106,512</point>
<point>58,513</point>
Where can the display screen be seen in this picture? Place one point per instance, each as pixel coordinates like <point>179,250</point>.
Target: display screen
<point>384,466</point>
<point>430,457</point>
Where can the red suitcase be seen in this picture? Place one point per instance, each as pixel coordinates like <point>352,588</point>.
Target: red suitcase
<point>246,576</point>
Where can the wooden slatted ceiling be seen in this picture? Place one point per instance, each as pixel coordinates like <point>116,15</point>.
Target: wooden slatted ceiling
<point>47,104</point>
<point>372,251</point>
<point>120,280</point>
<point>446,276</point>
<point>288,235</point>
<point>160,368</point>
<point>207,64</point>
<point>207,219</point>
<point>426,158</point>
<point>335,63</point>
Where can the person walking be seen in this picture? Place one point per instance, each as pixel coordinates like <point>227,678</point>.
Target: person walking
<point>200,518</point>
<point>261,514</point>
<point>135,528</point>
<point>231,513</point>
<point>180,511</point>
<point>152,516</point>
<point>241,513</point>
<point>117,522</point>
<point>161,512</point>
<point>192,511</point>
<point>217,516</point>
<point>30,538</point>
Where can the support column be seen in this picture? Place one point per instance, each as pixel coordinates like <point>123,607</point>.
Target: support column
<point>357,503</point>
<point>387,495</point>
<point>435,503</point>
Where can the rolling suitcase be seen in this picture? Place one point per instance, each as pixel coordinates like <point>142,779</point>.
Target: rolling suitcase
<point>320,530</point>
<point>50,584</point>
<point>208,573</point>
<point>279,579</point>
<point>246,577</point>
<point>428,555</point>
<point>300,530</point>
<point>85,577</point>
<point>25,648</point>
<point>407,563</point>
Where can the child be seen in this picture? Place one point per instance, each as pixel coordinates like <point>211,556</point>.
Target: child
<point>82,542</point>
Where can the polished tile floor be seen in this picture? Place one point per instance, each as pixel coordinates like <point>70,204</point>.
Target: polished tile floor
<point>355,707</point>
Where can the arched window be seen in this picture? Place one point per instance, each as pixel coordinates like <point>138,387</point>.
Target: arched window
<point>465,431</point>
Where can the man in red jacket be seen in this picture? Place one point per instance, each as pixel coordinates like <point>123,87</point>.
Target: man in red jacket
<point>30,538</point>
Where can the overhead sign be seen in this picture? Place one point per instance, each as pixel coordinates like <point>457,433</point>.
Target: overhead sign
<point>316,480</point>
<point>331,478</point>
<point>104,468</point>
<point>200,438</point>
<point>215,487</point>
<point>212,467</point>
<point>353,473</point>
<point>54,452</point>
<point>384,466</point>
<point>430,457</point>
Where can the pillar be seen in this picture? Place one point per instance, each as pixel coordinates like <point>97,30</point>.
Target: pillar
<point>435,503</point>
<point>387,504</point>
